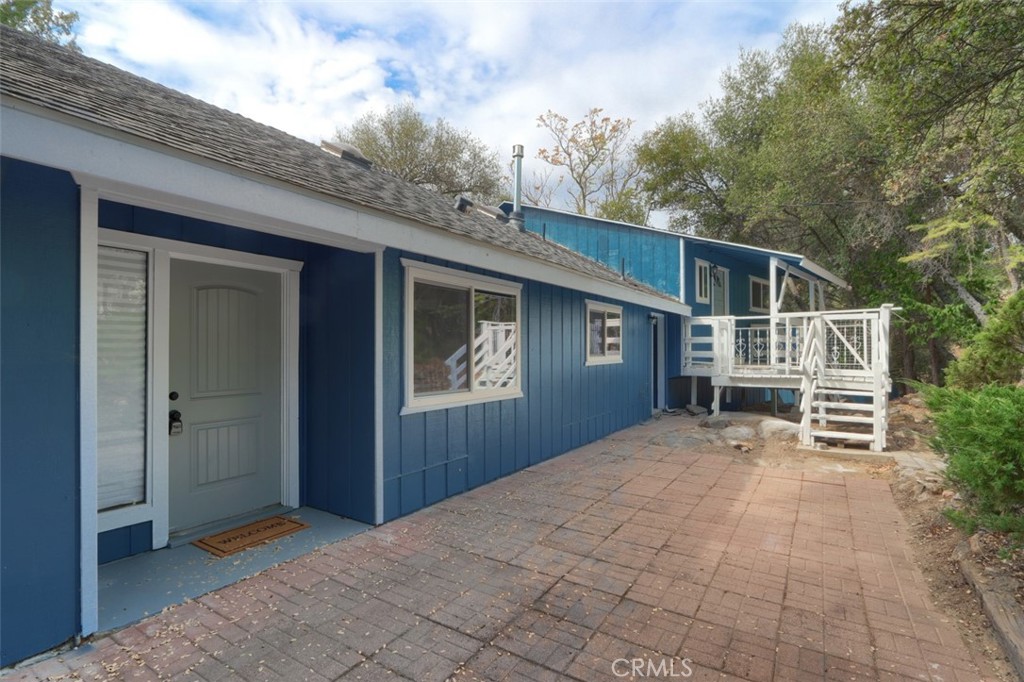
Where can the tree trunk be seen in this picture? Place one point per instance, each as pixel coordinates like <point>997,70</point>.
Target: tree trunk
<point>935,356</point>
<point>964,295</point>
<point>909,360</point>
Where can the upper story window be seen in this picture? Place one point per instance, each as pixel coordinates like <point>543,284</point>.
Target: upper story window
<point>703,285</point>
<point>462,337</point>
<point>760,295</point>
<point>604,333</point>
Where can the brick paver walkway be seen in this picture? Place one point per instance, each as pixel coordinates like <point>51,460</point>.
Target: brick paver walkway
<point>621,560</point>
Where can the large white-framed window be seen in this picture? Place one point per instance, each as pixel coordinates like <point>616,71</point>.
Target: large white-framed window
<point>462,338</point>
<point>760,294</point>
<point>604,333</point>
<point>702,273</point>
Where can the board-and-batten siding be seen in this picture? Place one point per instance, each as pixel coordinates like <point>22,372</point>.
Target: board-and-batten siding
<point>740,272</point>
<point>39,503</point>
<point>335,357</point>
<point>432,455</point>
<point>643,255</point>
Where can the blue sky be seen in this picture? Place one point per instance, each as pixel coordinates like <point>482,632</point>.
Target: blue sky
<point>489,67</point>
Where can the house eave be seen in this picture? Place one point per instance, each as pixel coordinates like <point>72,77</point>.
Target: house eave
<point>121,168</point>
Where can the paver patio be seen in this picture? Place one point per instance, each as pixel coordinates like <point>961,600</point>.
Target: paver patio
<point>620,560</point>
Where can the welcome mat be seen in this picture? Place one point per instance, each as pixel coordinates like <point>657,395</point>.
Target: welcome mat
<point>256,533</point>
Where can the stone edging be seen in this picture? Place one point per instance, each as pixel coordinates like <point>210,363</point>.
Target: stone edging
<point>999,604</point>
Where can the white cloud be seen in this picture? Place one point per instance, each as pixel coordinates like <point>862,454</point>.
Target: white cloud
<point>492,68</point>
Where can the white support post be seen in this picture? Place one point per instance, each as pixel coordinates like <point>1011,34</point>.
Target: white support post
<point>811,284</point>
<point>773,283</point>
<point>880,361</point>
<point>776,298</point>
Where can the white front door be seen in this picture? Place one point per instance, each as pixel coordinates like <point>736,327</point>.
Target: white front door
<point>224,381</point>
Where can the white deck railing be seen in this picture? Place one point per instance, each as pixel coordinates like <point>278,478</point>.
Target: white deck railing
<point>847,343</point>
<point>837,360</point>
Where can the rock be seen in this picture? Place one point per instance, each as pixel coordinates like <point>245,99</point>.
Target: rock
<point>740,445</point>
<point>684,441</point>
<point>974,543</point>
<point>719,422</point>
<point>948,494</point>
<point>737,433</point>
<point>914,400</point>
<point>778,429</point>
<point>696,410</point>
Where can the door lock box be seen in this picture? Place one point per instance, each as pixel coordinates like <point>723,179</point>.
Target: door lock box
<point>176,428</point>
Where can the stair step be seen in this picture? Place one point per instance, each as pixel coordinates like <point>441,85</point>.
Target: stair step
<point>847,418</point>
<point>843,435</point>
<point>845,391</point>
<point>862,407</point>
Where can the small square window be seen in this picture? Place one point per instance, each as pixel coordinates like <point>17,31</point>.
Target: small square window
<point>604,333</point>
<point>760,295</point>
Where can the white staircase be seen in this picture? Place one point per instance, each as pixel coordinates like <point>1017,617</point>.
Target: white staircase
<point>838,360</point>
<point>846,383</point>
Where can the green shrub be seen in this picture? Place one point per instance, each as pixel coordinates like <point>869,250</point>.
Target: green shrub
<point>996,354</point>
<point>982,434</point>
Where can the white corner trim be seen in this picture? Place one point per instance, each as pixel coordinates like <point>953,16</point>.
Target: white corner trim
<point>88,377</point>
<point>682,270</point>
<point>290,303</point>
<point>378,387</point>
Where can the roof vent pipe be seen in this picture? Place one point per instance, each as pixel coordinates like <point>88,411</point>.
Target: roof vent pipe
<point>517,201</point>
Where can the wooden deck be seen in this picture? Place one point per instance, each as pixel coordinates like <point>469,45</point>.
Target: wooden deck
<point>837,360</point>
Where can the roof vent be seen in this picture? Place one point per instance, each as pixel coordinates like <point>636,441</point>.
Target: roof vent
<point>347,151</point>
<point>464,205</point>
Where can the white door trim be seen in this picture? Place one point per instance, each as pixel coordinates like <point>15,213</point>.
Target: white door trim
<point>156,509</point>
<point>87,411</point>
<point>658,336</point>
<point>162,252</point>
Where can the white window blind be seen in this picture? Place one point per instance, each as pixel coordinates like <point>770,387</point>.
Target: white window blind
<point>122,324</point>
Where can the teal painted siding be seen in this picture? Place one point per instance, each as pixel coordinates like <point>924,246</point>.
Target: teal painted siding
<point>647,256</point>
<point>432,455</point>
<point>739,278</point>
<point>39,476</point>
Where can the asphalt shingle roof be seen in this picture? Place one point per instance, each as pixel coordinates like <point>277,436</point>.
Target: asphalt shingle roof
<point>63,81</point>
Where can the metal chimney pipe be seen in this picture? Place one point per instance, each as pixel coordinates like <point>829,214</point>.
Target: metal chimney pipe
<point>517,200</point>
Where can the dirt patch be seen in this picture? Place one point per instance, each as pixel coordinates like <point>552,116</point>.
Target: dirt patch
<point>933,540</point>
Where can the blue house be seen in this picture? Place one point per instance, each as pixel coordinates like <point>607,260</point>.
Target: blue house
<point>203,316</point>
<point>759,327</point>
